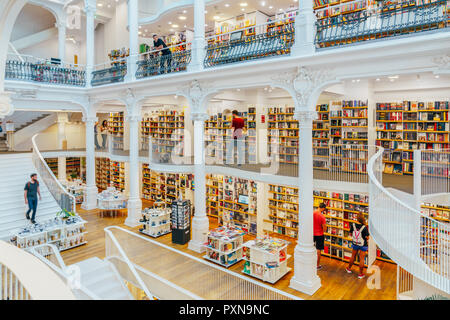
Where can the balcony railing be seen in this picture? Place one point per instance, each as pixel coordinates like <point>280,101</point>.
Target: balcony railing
<point>155,63</point>
<point>110,72</point>
<point>273,38</point>
<point>386,21</point>
<point>26,68</point>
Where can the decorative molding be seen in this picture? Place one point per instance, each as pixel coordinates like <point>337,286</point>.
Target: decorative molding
<point>197,94</point>
<point>199,116</point>
<point>305,117</point>
<point>23,93</point>
<point>133,118</point>
<point>6,107</point>
<point>90,119</point>
<point>443,63</point>
<point>303,83</point>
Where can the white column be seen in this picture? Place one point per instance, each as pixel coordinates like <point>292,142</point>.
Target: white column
<point>133,28</point>
<point>61,122</point>
<point>89,7</point>
<point>200,222</point>
<point>90,193</point>
<point>305,277</point>
<point>198,45</point>
<point>61,25</point>
<point>134,200</point>
<point>305,29</point>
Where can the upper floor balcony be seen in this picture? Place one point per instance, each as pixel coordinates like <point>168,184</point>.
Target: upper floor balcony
<point>336,24</point>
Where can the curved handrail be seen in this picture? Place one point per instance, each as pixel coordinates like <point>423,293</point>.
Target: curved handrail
<point>418,243</point>
<point>129,264</point>
<point>39,162</point>
<point>62,271</point>
<point>38,280</point>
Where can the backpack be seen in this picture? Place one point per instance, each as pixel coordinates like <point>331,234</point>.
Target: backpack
<point>357,238</point>
<point>29,184</point>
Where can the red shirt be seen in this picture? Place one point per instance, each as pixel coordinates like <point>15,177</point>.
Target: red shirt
<point>238,123</point>
<point>319,221</point>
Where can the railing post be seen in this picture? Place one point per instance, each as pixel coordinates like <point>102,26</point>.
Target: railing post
<point>417,167</point>
<point>198,45</point>
<point>305,29</point>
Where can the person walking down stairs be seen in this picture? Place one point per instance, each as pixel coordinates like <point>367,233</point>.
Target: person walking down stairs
<point>31,192</point>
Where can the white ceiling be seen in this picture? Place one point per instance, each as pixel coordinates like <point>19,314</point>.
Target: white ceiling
<point>32,19</point>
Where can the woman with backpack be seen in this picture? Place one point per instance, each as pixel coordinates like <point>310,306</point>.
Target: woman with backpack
<point>360,238</point>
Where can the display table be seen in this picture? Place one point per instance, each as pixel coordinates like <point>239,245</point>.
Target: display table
<point>266,259</point>
<point>64,233</point>
<point>156,220</point>
<point>111,202</point>
<point>224,245</point>
<point>76,188</point>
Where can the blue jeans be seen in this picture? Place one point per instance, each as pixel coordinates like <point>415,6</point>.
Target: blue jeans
<point>362,248</point>
<point>32,206</point>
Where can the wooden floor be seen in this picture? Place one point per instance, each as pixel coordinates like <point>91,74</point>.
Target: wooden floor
<point>336,283</point>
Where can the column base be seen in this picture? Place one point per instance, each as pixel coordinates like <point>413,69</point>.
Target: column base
<point>134,212</point>
<point>90,198</point>
<point>305,277</point>
<point>200,228</point>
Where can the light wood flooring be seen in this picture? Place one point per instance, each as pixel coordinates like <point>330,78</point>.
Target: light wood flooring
<point>337,284</point>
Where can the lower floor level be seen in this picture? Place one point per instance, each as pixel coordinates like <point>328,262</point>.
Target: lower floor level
<point>337,284</point>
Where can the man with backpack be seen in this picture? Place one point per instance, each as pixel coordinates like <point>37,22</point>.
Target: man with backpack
<point>360,239</point>
<point>31,192</point>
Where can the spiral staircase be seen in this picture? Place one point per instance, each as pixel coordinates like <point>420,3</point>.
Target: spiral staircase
<point>419,244</point>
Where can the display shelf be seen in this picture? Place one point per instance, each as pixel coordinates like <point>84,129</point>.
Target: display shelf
<point>117,175</point>
<point>156,220</point>
<point>64,233</point>
<point>403,127</point>
<point>102,173</point>
<point>75,188</point>
<point>165,185</point>
<point>166,129</point>
<point>233,201</point>
<point>181,221</point>
<point>266,259</point>
<point>111,199</point>
<point>224,245</point>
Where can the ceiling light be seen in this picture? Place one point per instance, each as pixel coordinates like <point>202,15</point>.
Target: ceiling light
<point>109,6</point>
<point>139,32</point>
<point>206,11</point>
<point>238,89</point>
<point>227,5</point>
<point>182,17</point>
<point>270,7</point>
<point>436,76</point>
<point>393,77</point>
<point>170,22</point>
<point>263,3</point>
<point>243,4</point>
<point>171,30</point>
<point>242,9</point>
<point>100,4</point>
<point>146,30</point>
<point>185,26</point>
<point>184,11</point>
<point>216,17</point>
<point>140,27</point>
<point>377,79</point>
<point>175,25</point>
<point>176,96</point>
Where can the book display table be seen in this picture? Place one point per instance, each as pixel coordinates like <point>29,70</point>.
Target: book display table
<point>63,233</point>
<point>76,188</point>
<point>224,245</point>
<point>111,202</point>
<point>266,259</point>
<point>156,220</point>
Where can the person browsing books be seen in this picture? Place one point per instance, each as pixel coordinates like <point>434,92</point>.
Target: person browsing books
<point>237,124</point>
<point>319,228</point>
<point>360,243</point>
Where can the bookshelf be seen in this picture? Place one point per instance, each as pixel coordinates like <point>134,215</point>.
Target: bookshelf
<point>282,134</point>
<point>342,210</point>
<point>73,166</point>
<point>53,165</point>
<point>218,132</point>
<point>232,200</point>
<point>438,212</point>
<point>166,129</point>
<point>403,127</point>
<point>102,173</point>
<point>117,175</point>
<point>168,186</point>
<point>321,137</point>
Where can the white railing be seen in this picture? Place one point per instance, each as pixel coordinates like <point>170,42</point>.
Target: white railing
<point>60,194</point>
<point>49,254</point>
<point>405,284</point>
<point>205,281</point>
<point>419,244</point>
<point>43,61</point>
<point>114,249</point>
<point>24,277</point>
<point>434,170</point>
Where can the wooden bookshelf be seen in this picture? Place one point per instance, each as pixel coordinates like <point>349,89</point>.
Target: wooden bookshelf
<point>227,198</point>
<point>165,185</point>
<point>73,166</point>
<point>438,212</point>
<point>282,132</point>
<point>342,211</point>
<point>403,127</point>
<point>166,129</point>
<point>117,175</point>
<point>102,173</point>
<point>321,137</point>
<point>115,123</point>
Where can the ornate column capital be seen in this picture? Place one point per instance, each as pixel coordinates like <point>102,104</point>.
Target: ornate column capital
<point>305,117</point>
<point>133,118</point>
<point>200,116</point>
<point>6,107</point>
<point>304,83</point>
<point>197,94</point>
